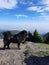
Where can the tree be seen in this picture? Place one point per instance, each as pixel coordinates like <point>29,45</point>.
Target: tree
<point>37,37</point>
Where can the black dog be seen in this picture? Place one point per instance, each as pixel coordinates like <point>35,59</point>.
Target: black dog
<point>17,38</point>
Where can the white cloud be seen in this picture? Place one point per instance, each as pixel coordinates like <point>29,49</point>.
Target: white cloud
<point>42,6</point>
<point>21,15</point>
<point>35,8</point>
<point>46,5</point>
<point>46,2</point>
<point>8,4</point>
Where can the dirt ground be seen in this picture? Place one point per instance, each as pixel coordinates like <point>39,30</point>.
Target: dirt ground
<point>11,56</point>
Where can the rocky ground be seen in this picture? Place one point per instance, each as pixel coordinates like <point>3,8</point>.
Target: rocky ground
<point>13,56</point>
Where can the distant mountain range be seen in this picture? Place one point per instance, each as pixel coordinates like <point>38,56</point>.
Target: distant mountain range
<point>46,34</point>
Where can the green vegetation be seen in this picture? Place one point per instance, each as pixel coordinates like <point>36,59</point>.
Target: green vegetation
<point>37,37</point>
<point>45,46</point>
<point>28,51</point>
<point>41,53</point>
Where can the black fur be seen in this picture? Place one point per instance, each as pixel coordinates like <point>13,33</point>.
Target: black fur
<point>17,38</point>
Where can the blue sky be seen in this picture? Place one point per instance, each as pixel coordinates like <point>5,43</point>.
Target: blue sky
<point>24,14</point>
